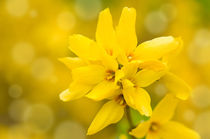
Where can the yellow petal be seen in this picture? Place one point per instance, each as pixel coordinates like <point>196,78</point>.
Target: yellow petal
<point>85,48</point>
<point>119,74</point>
<point>91,74</point>
<point>155,65</point>
<point>151,135</point>
<point>89,51</point>
<point>165,109</point>
<point>138,99</point>
<point>130,69</point>
<point>122,57</point>
<point>105,34</point>
<point>110,113</point>
<point>72,62</point>
<point>126,31</point>
<point>127,84</point>
<point>141,130</point>
<point>176,86</point>
<point>76,90</point>
<point>156,48</point>
<point>103,90</point>
<point>172,55</point>
<point>146,77</point>
<point>175,130</point>
<point>109,62</point>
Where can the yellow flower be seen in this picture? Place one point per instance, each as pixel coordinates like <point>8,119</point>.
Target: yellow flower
<point>93,68</point>
<point>130,93</point>
<point>159,125</point>
<point>113,68</point>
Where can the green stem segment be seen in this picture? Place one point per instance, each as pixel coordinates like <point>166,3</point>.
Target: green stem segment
<point>128,115</point>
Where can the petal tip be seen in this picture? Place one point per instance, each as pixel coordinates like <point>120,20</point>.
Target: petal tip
<point>106,10</point>
<point>132,132</point>
<point>63,95</point>
<point>146,112</point>
<point>90,131</point>
<point>62,60</point>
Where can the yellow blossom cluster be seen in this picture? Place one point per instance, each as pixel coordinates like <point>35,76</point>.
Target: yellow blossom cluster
<point>116,69</point>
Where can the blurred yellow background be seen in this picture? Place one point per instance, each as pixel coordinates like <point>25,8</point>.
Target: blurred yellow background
<point>34,34</point>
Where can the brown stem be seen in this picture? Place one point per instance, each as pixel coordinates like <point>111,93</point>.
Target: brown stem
<point>128,115</point>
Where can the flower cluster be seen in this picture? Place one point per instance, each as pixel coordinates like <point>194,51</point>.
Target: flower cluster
<point>114,68</point>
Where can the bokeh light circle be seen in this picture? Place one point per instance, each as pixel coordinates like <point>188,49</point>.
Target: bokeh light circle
<point>88,9</point>
<point>15,91</point>
<point>69,129</point>
<point>16,109</point>
<point>23,53</point>
<point>66,20</point>
<point>202,125</point>
<point>156,22</point>
<point>17,7</point>
<point>40,117</point>
<point>169,10</point>
<point>189,115</point>
<point>42,68</point>
<point>33,13</point>
<point>160,89</point>
<point>199,49</point>
<point>201,96</point>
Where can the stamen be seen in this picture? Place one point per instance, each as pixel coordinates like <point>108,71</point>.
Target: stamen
<point>120,100</point>
<point>110,52</point>
<point>120,66</point>
<point>119,83</point>
<point>130,57</point>
<point>154,127</point>
<point>110,75</point>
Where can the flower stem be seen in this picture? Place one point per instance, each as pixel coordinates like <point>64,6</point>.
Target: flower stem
<point>128,115</point>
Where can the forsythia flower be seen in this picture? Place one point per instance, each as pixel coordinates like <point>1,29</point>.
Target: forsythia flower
<point>130,93</point>
<point>159,125</point>
<point>113,68</point>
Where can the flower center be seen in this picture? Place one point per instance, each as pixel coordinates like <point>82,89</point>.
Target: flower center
<point>120,100</point>
<point>110,52</point>
<point>130,57</point>
<point>154,127</point>
<point>110,75</point>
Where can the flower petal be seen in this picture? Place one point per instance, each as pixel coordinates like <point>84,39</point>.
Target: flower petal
<point>72,62</point>
<point>141,130</point>
<point>130,69</point>
<point>91,74</point>
<point>105,34</point>
<point>76,90</point>
<point>85,48</point>
<point>155,65</point>
<point>119,74</point>
<point>156,48</point>
<point>103,90</point>
<point>139,99</point>
<point>90,52</point>
<point>126,31</point>
<point>175,130</point>
<point>152,136</point>
<point>176,86</point>
<point>109,62</point>
<point>172,55</point>
<point>110,113</point>
<point>127,84</point>
<point>122,58</point>
<point>164,110</point>
<point>146,77</point>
